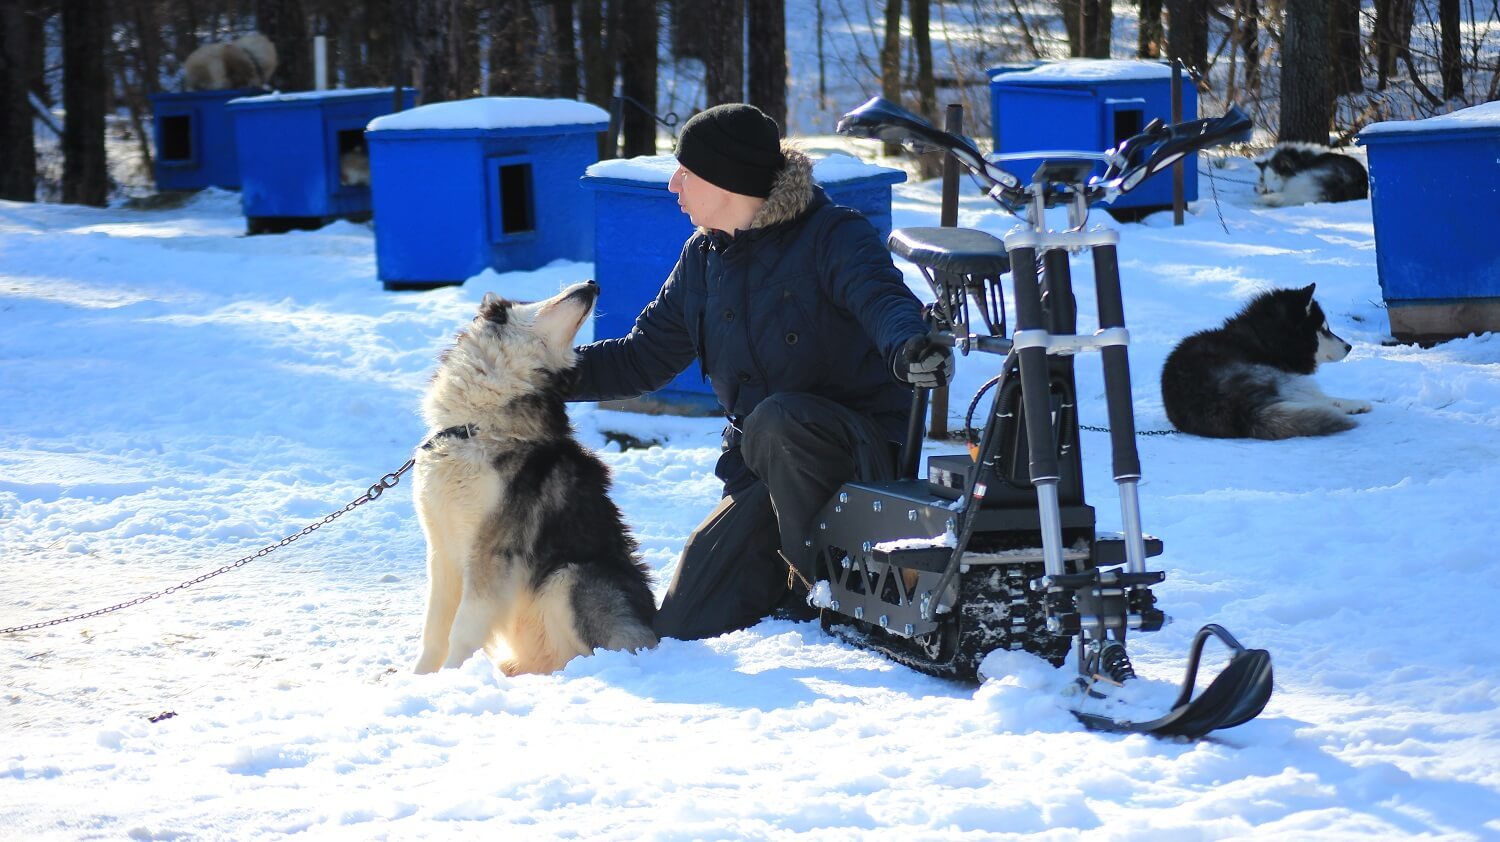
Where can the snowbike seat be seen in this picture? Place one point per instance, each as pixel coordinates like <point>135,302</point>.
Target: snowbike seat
<point>962,251</point>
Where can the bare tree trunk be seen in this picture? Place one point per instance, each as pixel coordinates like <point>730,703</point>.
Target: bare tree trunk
<point>1306,95</point>
<point>1097,42</point>
<point>600,25</point>
<point>890,62</point>
<point>724,62</point>
<point>85,26</point>
<point>138,20</point>
<point>18,164</point>
<point>285,23</point>
<point>1248,12</point>
<point>600,45</point>
<point>1088,23</point>
<point>767,77</point>
<point>1187,32</point>
<point>1393,22</point>
<point>1071,12</point>
<point>36,34</point>
<point>690,25</point>
<point>513,39</point>
<point>1151,36</point>
<point>467,83</point>
<point>1449,24</point>
<point>437,51</point>
<point>638,76</point>
<point>184,29</point>
<point>921,36</point>
<point>929,165</point>
<point>1344,53</point>
<point>564,52</point>
<point>366,46</point>
<point>148,30</point>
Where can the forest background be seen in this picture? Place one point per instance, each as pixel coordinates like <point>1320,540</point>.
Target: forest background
<point>76,75</point>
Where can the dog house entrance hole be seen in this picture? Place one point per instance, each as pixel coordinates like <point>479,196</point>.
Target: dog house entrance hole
<point>354,158</point>
<point>1128,124</point>
<point>177,138</point>
<point>515,199</point>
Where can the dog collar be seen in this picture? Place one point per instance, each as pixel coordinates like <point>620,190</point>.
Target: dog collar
<point>462,431</point>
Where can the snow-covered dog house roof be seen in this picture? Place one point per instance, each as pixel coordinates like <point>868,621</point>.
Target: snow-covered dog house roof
<point>484,183</point>
<point>303,159</point>
<point>639,231</point>
<point>1089,105</point>
<point>1433,183</point>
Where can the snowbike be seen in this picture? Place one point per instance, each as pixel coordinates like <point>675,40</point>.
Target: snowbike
<point>996,548</point>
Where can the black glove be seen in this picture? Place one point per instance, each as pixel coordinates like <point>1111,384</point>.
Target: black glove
<point>923,362</point>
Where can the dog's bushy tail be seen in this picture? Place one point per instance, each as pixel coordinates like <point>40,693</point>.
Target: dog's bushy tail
<point>1287,420</point>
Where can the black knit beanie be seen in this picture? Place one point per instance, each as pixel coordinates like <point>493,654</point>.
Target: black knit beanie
<point>734,146</point>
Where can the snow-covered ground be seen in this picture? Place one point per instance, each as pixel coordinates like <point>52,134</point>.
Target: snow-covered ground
<point>174,396</point>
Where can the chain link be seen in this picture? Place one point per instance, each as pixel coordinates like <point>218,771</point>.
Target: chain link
<point>372,493</point>
<point>1137,432</point>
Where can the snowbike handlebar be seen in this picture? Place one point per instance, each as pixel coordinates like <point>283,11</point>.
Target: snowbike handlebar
<point>1066,173</point>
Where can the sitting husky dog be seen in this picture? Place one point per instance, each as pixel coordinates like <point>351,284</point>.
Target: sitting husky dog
<point>1251,377</point>
<point>1300,173</point>
<point>247,62</point>
<point>526,553</point>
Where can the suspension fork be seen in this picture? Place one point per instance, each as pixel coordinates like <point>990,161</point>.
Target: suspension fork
<point>1117,395</point>
<point>1031,341</point>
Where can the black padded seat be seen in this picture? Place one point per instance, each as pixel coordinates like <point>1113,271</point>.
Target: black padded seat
<point>960,250</point>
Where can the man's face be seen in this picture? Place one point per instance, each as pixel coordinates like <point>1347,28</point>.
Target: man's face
<point>704,203</point>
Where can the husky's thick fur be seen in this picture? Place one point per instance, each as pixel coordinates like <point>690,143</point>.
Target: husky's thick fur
<point>528,557</point>
<point>1252,378</point>
<point>247,62</point>
<point>1303,173</point>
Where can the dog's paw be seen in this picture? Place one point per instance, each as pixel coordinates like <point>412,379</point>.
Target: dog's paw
<point>1352,407</point>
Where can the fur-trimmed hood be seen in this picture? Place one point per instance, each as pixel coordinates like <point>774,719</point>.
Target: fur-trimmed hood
<point>792,191</point>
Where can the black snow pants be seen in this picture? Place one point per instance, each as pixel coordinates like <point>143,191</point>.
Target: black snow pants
<point>800,448</point>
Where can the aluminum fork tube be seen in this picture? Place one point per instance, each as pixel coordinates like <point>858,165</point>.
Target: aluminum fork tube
<point>1117,394</point>
<point>1036,403</point>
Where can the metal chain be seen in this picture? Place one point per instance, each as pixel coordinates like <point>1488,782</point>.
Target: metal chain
<point>1137,432</point>
<point>1213,184</point>
<point>373,493</point>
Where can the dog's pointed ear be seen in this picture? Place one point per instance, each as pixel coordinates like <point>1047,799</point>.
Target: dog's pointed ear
<point>1307,292</point>
<point>493,308</point>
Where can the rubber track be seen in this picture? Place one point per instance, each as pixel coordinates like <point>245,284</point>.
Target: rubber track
<point>990,595</point>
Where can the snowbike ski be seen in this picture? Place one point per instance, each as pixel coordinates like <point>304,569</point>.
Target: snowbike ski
<point>997,548</point>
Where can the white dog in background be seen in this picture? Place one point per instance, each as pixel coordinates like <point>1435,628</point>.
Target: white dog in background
<point>247,62</point>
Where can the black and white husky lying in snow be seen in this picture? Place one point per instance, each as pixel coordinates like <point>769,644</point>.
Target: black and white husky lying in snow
<point>1302,173</point>
<point>1252,376</point>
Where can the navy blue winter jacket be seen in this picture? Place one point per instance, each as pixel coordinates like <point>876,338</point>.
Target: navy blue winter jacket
<point>805,300</point>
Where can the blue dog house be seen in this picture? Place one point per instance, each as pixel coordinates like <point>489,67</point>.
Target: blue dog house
<point>638,236</point>
<point>489,182</point>
<point>303,159</point>
<point>194,137</point>
<point>1434,184</point>
<point>1090,105</point>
